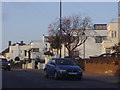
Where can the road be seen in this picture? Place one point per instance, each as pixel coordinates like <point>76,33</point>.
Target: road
<point>36,79</point>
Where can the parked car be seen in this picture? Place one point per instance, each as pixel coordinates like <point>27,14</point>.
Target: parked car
<point>115,54</point>
<point>104,55</point>
<point>5,64</point>
<point>62,68</point>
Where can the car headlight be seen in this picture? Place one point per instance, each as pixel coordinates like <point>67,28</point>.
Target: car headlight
<point>79,70</point>
<point>62,70</point>
<point>8,63</point>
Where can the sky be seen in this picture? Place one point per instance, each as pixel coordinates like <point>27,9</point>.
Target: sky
<point>28,21</point>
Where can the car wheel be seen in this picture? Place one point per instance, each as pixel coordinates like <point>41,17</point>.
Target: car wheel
<point>45,73</point>
<point>9,69</point>
<point>56,76</point>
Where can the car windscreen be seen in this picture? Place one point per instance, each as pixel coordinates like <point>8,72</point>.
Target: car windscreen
<point>65,62</point>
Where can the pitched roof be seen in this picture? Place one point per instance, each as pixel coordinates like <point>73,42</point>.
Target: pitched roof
<point>5,51</point>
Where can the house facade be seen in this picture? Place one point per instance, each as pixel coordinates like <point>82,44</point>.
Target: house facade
<point>18,50</point>
<point>113,35</point>
<point>93,44</point>
<point>33,50</point>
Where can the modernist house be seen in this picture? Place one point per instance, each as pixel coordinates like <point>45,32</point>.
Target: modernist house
<point>33,50</point>
<point>93,44</point>
<point>113,35</point>
<point>99,41</point>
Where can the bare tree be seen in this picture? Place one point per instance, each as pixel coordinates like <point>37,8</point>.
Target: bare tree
<point>73,31</point>
<point>116,47</point>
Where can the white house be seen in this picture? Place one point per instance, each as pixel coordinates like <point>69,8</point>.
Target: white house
<point>113,35</point>
<point>93,44</point>
<point>18,50</point>
<point>33,50</point>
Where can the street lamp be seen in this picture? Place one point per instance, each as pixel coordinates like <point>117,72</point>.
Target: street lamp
<point>60,27</point>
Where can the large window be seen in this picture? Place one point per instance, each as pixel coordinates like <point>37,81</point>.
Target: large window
<point>99,39</point>
<point>35,49</point>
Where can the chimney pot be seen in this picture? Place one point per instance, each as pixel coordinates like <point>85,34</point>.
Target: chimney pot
<point>21,42</point>
<point>9,43</point>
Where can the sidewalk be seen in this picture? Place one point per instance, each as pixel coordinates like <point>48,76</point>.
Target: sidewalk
<point>103,78</point>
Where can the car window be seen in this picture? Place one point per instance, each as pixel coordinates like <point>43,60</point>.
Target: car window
<point>65,62</point>
<point>53,62</point>
<point>49,61</point>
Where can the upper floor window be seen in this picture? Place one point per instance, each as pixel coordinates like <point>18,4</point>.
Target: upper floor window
<point>25,51</point>
<point>99,39</point>
<point>113,34</point>
<point>35,49</point>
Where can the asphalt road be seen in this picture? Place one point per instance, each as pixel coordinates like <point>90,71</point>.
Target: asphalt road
<point>36,79</point>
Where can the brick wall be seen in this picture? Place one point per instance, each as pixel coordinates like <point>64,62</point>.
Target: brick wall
<point>101,65</point>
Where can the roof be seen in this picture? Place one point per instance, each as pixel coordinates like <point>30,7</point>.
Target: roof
<point>5,51</point>
<point>21,44</point>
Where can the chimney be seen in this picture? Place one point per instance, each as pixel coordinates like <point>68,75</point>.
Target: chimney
<point>9,43</point>
<point>21,42</point>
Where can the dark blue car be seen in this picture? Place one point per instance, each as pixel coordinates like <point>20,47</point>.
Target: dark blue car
<point>62,68</point>
<point>5,64</point>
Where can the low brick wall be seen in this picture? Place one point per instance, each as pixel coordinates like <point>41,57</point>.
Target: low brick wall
<point>103,65</point>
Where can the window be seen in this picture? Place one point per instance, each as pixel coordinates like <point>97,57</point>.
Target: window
<point>108,50</point>
<point>25,52</point>
<point>35,49</point>
<point>53,62</point>
<point>113,34</point>
<point>49,61</point>
<point>11,51</point>
<point>99,39</point>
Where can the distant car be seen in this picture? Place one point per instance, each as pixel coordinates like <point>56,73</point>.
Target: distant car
<point>104,55</point>
<point>115,54</point>
<point>62,68</point>
<point>5,64</point>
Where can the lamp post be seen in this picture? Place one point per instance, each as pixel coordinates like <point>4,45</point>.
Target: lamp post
<point>84,50</point>
<point>60,27</point>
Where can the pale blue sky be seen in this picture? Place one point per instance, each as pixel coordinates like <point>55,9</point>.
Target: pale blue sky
<point>28,21</point>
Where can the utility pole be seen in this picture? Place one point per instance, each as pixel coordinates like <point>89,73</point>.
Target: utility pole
<point>84,50</point>
<point>60,27</point>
